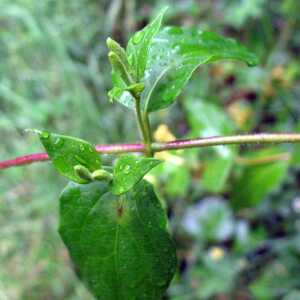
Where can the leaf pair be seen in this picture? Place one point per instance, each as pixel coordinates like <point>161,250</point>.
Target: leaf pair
<point>116,232</point>
<point>128,67</point>
<point>79,161</point>
<point>164,60</point>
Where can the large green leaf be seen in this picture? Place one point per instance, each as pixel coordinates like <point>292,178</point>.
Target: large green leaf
<point>259,179</point>
<point>129,170</point>
<point>67,152</point>
<point>119,244</point>
<point>138,46</point>
<point>175,53</point>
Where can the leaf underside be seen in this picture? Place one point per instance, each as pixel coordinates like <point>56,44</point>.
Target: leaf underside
<point>119,244</point>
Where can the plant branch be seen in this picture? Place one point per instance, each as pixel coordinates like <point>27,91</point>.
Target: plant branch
<point>263,138</point>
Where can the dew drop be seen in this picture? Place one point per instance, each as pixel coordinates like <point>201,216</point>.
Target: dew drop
<point>81,147</point>
<point>59,142</point>
<point>127,169</point>
<point>252,63</point>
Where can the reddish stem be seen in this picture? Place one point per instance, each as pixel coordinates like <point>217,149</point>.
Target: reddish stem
<point>266,138</point>
<point>24,160</point>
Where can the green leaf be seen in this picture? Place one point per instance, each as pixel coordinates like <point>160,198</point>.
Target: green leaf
<point>68,152</point>
<point>217,170</point>
<point>177,181</point>
<point>119,69</point>
<point>122,95</point>
<point>217,276</point>
<point>174,55</point>
<point>138,46</point>
<point>293,295</point>
<point>120,52</point>
<point>208,119</point>
<point>258,180</point>
<point>296,149</point>
<point>129,170</point>
<point>119,244</point>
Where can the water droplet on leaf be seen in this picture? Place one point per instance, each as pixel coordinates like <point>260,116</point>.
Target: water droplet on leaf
<point>59,142</point>
<point>127,169</point>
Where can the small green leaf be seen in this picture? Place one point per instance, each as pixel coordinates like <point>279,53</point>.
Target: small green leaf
<point>119,244</point>
<point>115,47</point>
<point>68,152</point>
<point>123,96</point>
<point>208,119</point>
<point>138,46</point>
<point>129,170</point>
<point>216,172</point>
<point>175,53</point>
<point>119,69</point>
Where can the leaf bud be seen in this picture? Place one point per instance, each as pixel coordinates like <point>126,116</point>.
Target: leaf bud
<point>101,175</point>
<point>83,173</point>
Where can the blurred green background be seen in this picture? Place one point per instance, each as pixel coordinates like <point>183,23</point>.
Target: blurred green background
<point>234,211</point>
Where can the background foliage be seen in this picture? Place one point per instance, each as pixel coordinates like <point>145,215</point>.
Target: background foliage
<point>234,211</point>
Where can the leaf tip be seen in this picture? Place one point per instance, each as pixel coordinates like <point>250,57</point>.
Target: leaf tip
<point>32,130</point>
<point>109,42</point>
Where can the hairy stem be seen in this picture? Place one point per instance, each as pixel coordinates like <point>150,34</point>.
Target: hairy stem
<point>263,138</point>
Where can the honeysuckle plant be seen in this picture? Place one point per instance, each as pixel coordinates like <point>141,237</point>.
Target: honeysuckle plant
<point>111,220</point>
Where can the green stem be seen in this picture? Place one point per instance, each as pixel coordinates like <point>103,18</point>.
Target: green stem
<point>148,141</point>
<point>141,123</point>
